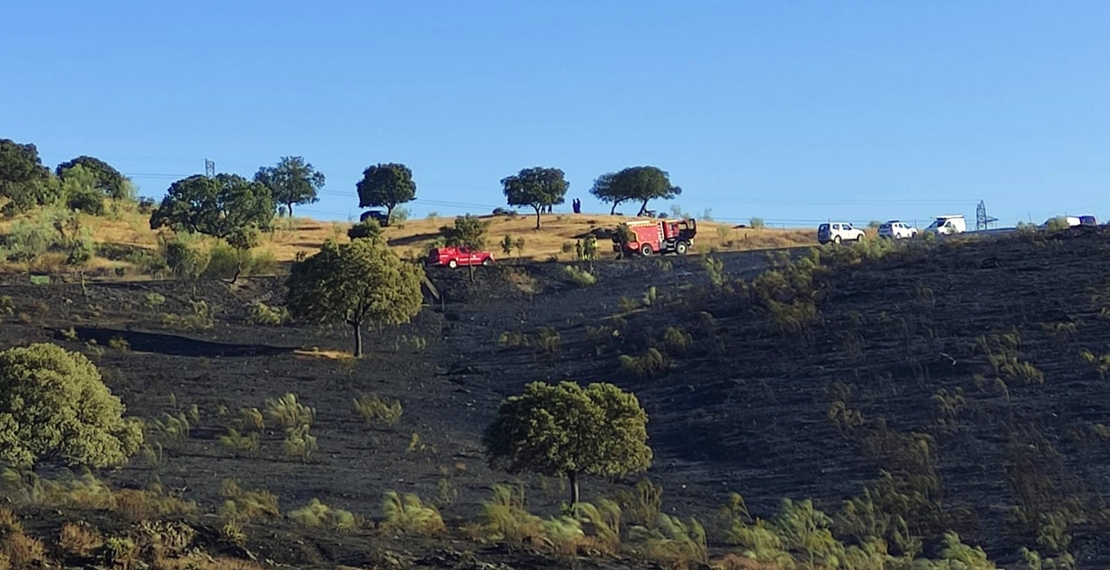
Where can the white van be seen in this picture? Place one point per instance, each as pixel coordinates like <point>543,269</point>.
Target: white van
<point>946,225</point>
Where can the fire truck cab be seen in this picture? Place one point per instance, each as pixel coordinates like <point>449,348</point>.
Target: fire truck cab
<point>649,237</point>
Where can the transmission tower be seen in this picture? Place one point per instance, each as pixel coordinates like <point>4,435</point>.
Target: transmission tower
<point>209,168</point>
<point>982,220</point>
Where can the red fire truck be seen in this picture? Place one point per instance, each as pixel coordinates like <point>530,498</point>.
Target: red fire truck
<point>648,237</point>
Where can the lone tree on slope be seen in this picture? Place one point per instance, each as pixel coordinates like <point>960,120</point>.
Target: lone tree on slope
<point>634,184</point>
<point>106,178</point>
<point>292,181</point>
<point>570,430</point>
<point>357,283</point>
<point>536,187</point>
<point>386,186</point>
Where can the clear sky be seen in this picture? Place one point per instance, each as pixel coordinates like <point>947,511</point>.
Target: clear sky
<point>794,112</point>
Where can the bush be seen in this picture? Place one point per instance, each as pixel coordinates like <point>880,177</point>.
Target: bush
<point>25,552</point>
<point>64,410</point>
<point>260,313</point>
<point>374,409</point>
<point>247,505</point>
<point>299,444</point>
<point>79,540</point>
<point>240,442</point>
<point>182,259</point>
<point>287,413</point>
<point>318,515</point>
<point>505,517</point>
<point>368,229</point>
<point>567,247</point>
<point>199,318</point>
<point>579,277</point>
<point>757,223</point>
<point>647,365</point>
<point>408,515</point>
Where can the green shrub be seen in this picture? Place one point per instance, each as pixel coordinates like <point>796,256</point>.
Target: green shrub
<point>318,515</point>
<point>7,305</point>
<point>224,261</point>
<point>64,410</point>
<point>505,517</point>
<point>757,223</point>
<point>240,442</point>
<point>567,247</point>
<point>198,318</point>
<point>119,552</point>
<point>548,340</point>
<point>298,443</point>
<point>119,343</point>
<point>374,409</point>
<point>579,277</point>
<point>244,505</point>
<point>287,413</point>
<point>673,541</point>
<point>408,515</point>
<point>650,364</point>
<point>260,313</point>
<point>677,340</point>
<point>368,229</point>
<point>182,259</point>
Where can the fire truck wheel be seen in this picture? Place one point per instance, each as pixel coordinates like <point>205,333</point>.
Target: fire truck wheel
<point>645,250</point>
<point>680,248</point>
<point>452,264</point>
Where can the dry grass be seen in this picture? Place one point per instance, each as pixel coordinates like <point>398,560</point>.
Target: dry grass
<point>24,552</point>
<point>80,540</point>
<point>304,236</point>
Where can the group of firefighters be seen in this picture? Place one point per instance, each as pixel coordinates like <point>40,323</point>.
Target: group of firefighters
<point>587,251</point>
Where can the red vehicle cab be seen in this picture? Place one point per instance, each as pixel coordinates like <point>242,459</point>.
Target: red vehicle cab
<point>458,256</point>
<point>657,236</point>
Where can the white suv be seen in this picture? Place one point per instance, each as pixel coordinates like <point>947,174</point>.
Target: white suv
<point>897,230</point>
<point>837,232</point>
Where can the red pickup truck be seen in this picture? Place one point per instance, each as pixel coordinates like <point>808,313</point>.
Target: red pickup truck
<point>458,256</point>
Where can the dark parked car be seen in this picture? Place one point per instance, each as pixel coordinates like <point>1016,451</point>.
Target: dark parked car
<point>376,215</point>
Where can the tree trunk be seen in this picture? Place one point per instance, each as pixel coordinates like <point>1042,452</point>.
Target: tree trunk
<point>389,214</point>
<point>538,210</point>
<point>613,211</point>
<point>358,340</point>
<point>574,495</point>
<point>289,210</point>
<point>643,208</point>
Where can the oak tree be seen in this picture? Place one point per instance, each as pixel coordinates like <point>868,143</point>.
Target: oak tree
<point>292,181</point>
<point>537,188</point>
<point>24,181</point>
<point>569,430</point>
<point>386,186</point>
<point>106,179</point>
<point>634,184</point>
<point>355,284</point>
<point>54,405</point>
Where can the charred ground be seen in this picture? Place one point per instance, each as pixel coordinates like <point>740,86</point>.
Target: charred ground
<point>801,383</point>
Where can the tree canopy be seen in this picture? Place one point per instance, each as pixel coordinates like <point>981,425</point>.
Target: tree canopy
<point>292,181</point>
<point>634,184</point>
<point>53,404</point>
<point>226,206</point>
<point>570,430</point>
<point>536,187</point>
<point>105,178</point>
<point>355,284</point>
<point>24,181</point>
<point>386,186</point>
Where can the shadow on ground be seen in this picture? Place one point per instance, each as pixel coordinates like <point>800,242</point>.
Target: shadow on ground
<point>176,345</point>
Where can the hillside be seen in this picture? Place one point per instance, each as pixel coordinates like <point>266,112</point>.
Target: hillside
<point>908,390</point>
<point>126,230</point>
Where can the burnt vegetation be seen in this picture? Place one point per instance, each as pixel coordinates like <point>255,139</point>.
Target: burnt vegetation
<point>881,405</point>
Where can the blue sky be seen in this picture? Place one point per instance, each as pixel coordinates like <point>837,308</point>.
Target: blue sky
<point>794,112</point>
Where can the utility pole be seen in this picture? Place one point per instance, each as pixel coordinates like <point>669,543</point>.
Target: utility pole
<point>209,168</point>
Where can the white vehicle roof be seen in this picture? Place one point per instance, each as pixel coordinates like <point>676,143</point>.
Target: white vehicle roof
<point>952,216</point>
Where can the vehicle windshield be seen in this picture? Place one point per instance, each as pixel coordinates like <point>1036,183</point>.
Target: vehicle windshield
<point>936,224</point>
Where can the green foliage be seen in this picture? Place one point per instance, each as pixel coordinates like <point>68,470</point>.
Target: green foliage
<point>24,182</point>
<point>757,223</point>
<point>104,178</point>
<point>673,541</point>
<point>119,343</point>
<point>650,364</point>
<point>634,184</point>
<point>53,403</point>
<point>408,515</point>
<point>580,277</point>
<point>642,504</point>
<point>28,239</point>
<point>537,188</point>
<point>292,181</point>
<point>567,429</point>
<point>318,515</point>
<point>7,305</point>
<point>1098,362</point>
<point>677,340</point>
<point>287,413</point>
<point>368,229</point>
<point>1058,223</point>
<point>299,444</point>
<point>259,313</point>
<point>507,244</point>
<point>119,552</point>
<point>240,442</point>
<point>182,259</point>
<point>227,207</point>
<point>468,231</point>
<point>714,270</point>
<point>506,518</point>
<point>386,185</point>
<point>246,505</point>
<point>80,193</point>
<point>199,317</point>
<point>353,284</point>
<point>377,410</point>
